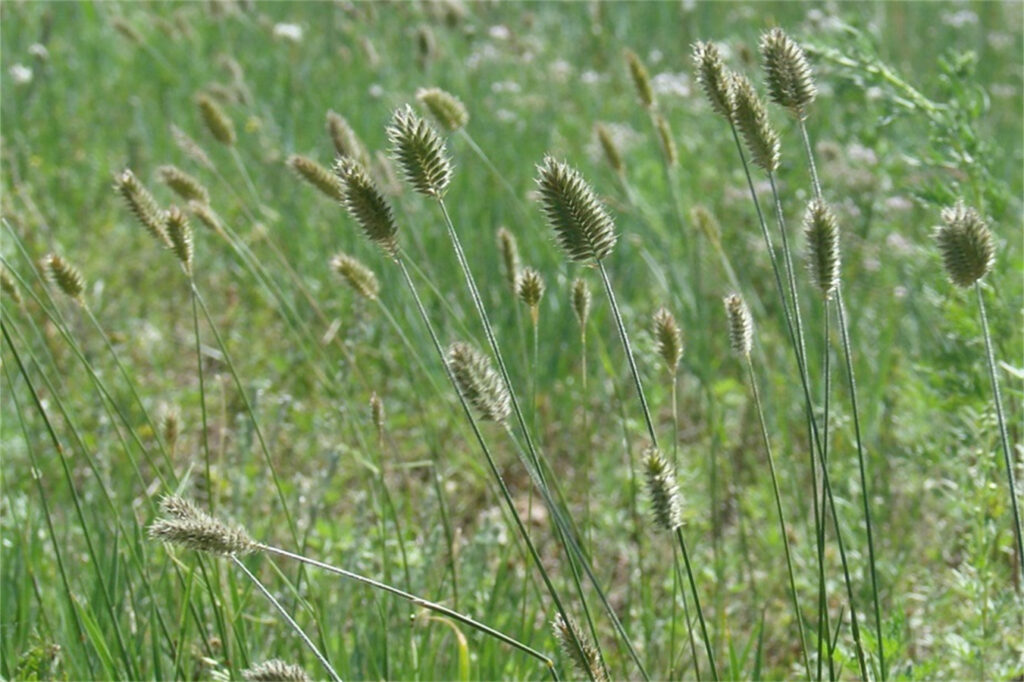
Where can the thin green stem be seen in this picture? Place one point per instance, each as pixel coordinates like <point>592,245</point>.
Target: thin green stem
<point>696,601</point>
<point>204,436</point>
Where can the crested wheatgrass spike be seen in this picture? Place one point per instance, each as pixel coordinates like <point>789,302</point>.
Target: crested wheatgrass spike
<point>478,383</point>
<point>180,234</point>
<point>316,175</point>
<point>184,185</point>
<point>751,118</point>
<point>583,655</point>
<point>367,205</point>
<point>509,257</point>
<point>668,339</point>
<point>143,205</point>
<point>581,223</point>
<point>787,73</point>
<point>713,78</point>
<point>357,275</point>
<point>581,300</point>
<point>186,525</point>
<point>9,288</point>
<point>191,148</point>
<point>667,140</point>
<point>611,150</point>
<point>447,109</point>
<point>641,79</point>
<point>741,329</point>
<point>965,242</point>
<point>66,276</point>
<point>420,153</point>
<point>205,215</point>
<point>346,142</point>
<point>275,670</point>
<point>217,122</point>
<point>661,486</point>
<point>530,287</point>
<point>821,230</point>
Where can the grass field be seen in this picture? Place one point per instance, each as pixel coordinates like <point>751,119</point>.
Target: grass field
<point>252,379</point>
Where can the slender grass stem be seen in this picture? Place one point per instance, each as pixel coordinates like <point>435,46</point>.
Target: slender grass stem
<point>696,601</point>
<point>205,435</point>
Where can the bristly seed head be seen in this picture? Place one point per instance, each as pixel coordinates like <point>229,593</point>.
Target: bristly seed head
<point>275,670</point>
<point>713,78</point>
<point>66,276</point>
<point>966,244</point>
<point>191,148</point>
<point>186,525</point>
<point>664,494</point>
<point>582,225</point>
<point>577,648</point>
<point>170,425</point>
<point>641,79</point>
<point>346,142</point>
<point>581,301</point>
<point>821,230</point>
<point>316,175</point>
<point>668,339</point>
<point>206,216</point>
<point>478,383</point>
<point>420,153</point>
<point>611,150</point>
<point>184,185</point>
<point>751,118</point>
<point>787,73</point>
<point>217,122</point>
<point>358,276</point>
<point>367,205</point>
<point>9,288</point>
<point>143,205</point>
<point>741,328</point>
<point>180,234</point>
<point>449,112</point>
<point>509,257</point>
<point>530,287</point>
<point>377,413</point>
<point>667,139</point>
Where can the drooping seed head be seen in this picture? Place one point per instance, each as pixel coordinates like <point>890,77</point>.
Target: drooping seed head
<point>180,234</point>
<point>346,142</point>
<point>530,287</point>
<point>611,150</point>
<point>577,648</point>
<point>478,383</point>
<point>582,225</point>
<point>741,329</point>
<point>316,175</point>
<point>821,230</point>
<point>581,301</point>
<point>9,288</point>
<point>367,205</point>
<point>143,205</point>
<point>447,109</point>
<point>191,148</point>
<point>184,185</point>
<point>641,79</point>
<point>667,140</point>
<point>509,257</point>
<point>966,244</point>
<point>205,215</point>
<point>661,487</point>
<point>787,73</point>
<point>668,339</point>
<point>186,525</point>
<point>65,275</point>
<point>275,670</point>
<point>358,276</point>
<point>420,153</point>
<point>713,78</point>
<point>217,121</point>
<point>751,118</point>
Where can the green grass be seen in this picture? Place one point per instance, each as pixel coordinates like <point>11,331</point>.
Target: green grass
<point>919,104</point>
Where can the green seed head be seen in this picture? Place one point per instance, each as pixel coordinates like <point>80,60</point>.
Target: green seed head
<point>965,242</point>
<point>275,670</point>
<point>668,339</point>
<point>509,257</point>
<point>751,118</point>
<point>186,525</point>
<point>478,383</point>
<point>641,79</point>
<point>661,486</point>
<point>346,142</point>
<point>420,153</point>
<point>611,150</point>
<point>367,205</point>
<point>180,234</point>
<point>667,140</point>
<point>9,288</point>
<point>581,300</point>
<point>66,276</point>
<point>317,176</point>
<point>358,276</point>
<point>530,287</point>
<point>143,206</point>
<point>821,230</point>
<point>449,112</point>
<point>577,648</point>
<point>184,185</point>
<point>787,73</point>
<point>205,215</point>
<point>741,329</point>
<point>582,225</point>
<point>191,148</point>
<point>217,122</point>
<point>713,78</point>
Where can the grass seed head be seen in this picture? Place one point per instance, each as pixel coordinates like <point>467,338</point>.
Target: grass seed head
<point>180,234</point>
<point>317,176</point>
<point>275,670</point>
<point>377,413</point>
<point>205,215</point>
<point>358,276</point>
<point>65,275</point>
<point>641,79</point>
<point>478,383</point>
<point>170,426</point>
<point>667,140</point>
<point>577,648</point>
<point>186,525</point>
<point>367,205</point>
<point>611,150</point>
<point>966,244</point>
<point>787,73</point>
<point>741,329</point>
<point>191,148</point>
<point>714,78</point>
<point>821,230</point>
<point>346,142</point>
<point>143,206</point>
<point>664,494</point>
<point>217,121</point>
<point>184,185</point>
<point>706,223</point>
<point>9,288</point>
<point>530,287</point>
<point>509,257</point>
<point>668,339</point>
<point>420,153</point>
<point>447,109</point>
<point>582,225</point>
<point>581,300</point>
<point>751,118</point>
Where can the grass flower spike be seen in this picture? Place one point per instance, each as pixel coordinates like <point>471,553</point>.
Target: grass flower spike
<point>668,339</point>
<point>358,276</point>
<point>583,656</point>
<point>641,79</point>
<point>822,233</point>
<point>186,525</point>
<point>217,122</point>
<point>582,225</point>
<point>449,112</point>
<point>180,234</point>
<point>509,257</point>
<point>66,276</point>
<point>965,242</point>
<point>611,150</point>
<point>143,205</point>
<point>581,300</point>
<point>787,73</point>
<point>275,670</point>
<point>420,153</point>
<point>367,205</point>
<point>9,288</point>
<point>751,118</point>
<point>714,78</point>
<point>530,287</point>
<point>316,175</point>
<point>741,329</point>
<point>478,383</point>
<point>664,494</point>
<point>184,185</point>
<point>346,142</point>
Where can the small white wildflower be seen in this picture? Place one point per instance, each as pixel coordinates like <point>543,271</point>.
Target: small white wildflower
<point>292,32</point>
<point>898,204</point>
<point>376,91</point>
<point>590,77</point>
<point>499,32</point>
<point>861,154</point>
<point>20,74</point>
<point>673,84</point>
<point>39,51</point>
